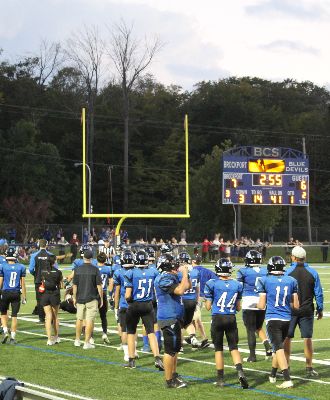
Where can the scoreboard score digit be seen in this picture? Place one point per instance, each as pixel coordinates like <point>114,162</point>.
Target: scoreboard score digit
<point>279,178</point>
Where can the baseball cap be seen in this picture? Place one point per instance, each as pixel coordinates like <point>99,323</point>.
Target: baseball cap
<point>298,252</point>
<point>88,254</point>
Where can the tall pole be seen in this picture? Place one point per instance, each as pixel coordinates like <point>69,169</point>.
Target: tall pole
<point>235,222</point>
<point>239,222</point>
<point>89,193</point>
<point>308,210</point>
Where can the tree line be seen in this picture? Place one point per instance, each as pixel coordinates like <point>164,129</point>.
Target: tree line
<point>136,136</point>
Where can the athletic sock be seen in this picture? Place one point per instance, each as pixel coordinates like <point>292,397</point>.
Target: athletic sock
<point>274,372</point>
<point>145,341</point>
<point>159,338</point>
<point>220,373</point>
<point>13,335</point>
<point>267,345</point>
<point>239,367</point>
<point>5,330</point>
<point>125,348</point>
<point>286,375</point>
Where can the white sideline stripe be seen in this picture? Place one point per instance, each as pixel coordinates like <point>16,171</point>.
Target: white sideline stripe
<point>191,360</point>
<point>48,389</point>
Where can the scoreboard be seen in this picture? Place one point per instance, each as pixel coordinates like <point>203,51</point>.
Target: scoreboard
<point>255,175</point>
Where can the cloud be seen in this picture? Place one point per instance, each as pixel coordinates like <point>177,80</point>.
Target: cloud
<point>288,45</point>
<point>288,8</point>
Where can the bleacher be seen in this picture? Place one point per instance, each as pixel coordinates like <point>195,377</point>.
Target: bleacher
<point>24,392</point>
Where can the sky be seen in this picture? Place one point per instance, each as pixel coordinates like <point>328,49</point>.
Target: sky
<point>203,40</point>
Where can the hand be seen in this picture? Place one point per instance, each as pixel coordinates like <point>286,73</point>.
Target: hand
<point>319,314</point>
<point>24,300</point>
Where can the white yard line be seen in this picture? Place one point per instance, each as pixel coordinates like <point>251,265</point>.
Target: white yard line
<point>191,360</point>
<point>48,389</point>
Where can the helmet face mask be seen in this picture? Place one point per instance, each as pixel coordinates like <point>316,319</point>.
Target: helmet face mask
<point>223,267</point>
<point>252,258</point>
<point>165,263</point>
<point>141,259</point>
<point>276,265</point>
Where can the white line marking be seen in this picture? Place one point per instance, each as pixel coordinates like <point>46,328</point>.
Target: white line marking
<point>48,389</point>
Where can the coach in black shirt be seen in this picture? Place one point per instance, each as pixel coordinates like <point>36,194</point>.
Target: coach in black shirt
<point>87,296</point>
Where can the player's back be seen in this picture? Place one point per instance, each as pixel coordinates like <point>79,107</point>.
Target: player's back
<point>143,283</point>
<point>12,274</point>
<point>279,290</point>
<point>105,272</point>
<point>249,276</point>
<point>169,304</point>
<point>194,276</point>
<point>224,294</point>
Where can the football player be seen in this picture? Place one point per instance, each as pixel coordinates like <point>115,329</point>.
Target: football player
<point>278,293</point>
<point>253,318</point>
<point>223,296</point>
<point>78,262</point>
<point>105,272</point>
<point>12,281</point>
<point>139,285</point>
<point>190,299</point>
<point>127,262</point>
<point>169,291</point>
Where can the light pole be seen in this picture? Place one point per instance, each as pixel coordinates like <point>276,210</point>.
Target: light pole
<point>89,195</point>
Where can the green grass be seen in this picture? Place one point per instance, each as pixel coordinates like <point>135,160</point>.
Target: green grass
<point>99,374</point>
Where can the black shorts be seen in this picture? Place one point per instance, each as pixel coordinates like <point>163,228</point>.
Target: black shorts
<point>122,319</point>
<point>224,325</point>
<point>172,338</point>
<point>13,298</point>
<point>254,319</point>
<point>50,298</point>
<point>189,311</point>
<point>155,307</point>
<point>306,326</point>
<point>277,331</point>
<point>143,310</point>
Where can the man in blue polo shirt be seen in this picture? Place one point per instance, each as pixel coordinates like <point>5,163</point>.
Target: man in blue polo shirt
<point>309,288</point>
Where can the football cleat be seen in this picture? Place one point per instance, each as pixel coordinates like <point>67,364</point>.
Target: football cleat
<point>5,338</point>
<point>272,379</point>
<point>88,346</point>
<point>159,364</point>
<point>12,341</point>
<point>285,385</point>
<point>220,383</point>
<point>130,364</point>
<point>77,343</point>
<point>50,343</point>
<point>105,339</point>
<point>205,343</point>
<point>311,373</point>
<point>243,382</point>
<point>251,359</point>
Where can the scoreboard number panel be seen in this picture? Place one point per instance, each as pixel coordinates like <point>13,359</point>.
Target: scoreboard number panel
<point>265,176</point>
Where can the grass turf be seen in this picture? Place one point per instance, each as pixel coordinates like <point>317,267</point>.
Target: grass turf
<point>99,373</point>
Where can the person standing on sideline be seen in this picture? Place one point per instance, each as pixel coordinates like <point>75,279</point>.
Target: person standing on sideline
<point>169,291</point>
<point>12,281</point>
<point>278,294</point>
<point>39,262</point>
<point>309,287</point>
<point>253,318</point>
<point>106,274</point>
<point>51,298</point>
<point>87,290</point>
<point>223,297</point>
<point>325,250</point>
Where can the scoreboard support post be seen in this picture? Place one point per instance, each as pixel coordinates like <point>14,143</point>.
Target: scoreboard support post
<point>290,221</point>
<point>239,221</point>
<point>307,210</point>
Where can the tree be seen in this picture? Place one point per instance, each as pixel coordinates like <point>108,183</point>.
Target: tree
<point>50,58</point>
<point>85,49</point>
<point>25,212</point>
<point>131,58</point>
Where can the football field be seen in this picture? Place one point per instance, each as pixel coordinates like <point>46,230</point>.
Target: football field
<point>73,373</point>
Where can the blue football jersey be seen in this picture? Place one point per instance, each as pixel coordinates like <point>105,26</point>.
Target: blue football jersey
<point>141,280</point>
<point>78,262</point>
<point>205,275</point>
<point>279,290</point>
<point>2,260</point>
<point>223,294</point>
<point>170,305</point>
<point>12,274</point>
<point>105,272</point>
<point>195,276</point>
<point>119,280</point>
<point>249,277</point>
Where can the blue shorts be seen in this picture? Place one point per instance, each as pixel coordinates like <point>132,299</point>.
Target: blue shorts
<point>305,324</point>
